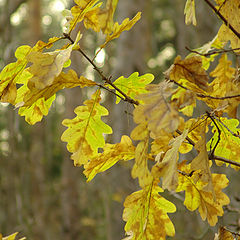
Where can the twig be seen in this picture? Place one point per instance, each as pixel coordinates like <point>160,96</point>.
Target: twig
<point>223,19</point>
<point>202,95</point>
<point>222,159</point>
<point>187,138</point>
<point>219,134</point>
<point>213,52</point>
<point>105,79</point>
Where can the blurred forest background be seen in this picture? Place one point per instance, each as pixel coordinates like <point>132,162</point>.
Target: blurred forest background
<point>42,195</point>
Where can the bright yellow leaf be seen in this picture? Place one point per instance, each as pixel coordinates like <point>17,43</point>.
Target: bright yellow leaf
<point>208,205</point>
<point>85,132</point>
<point>189,12</point>
<point>145,214</point>
<point>112,153</point>
<point>11,237</point>
<point>118,29</point>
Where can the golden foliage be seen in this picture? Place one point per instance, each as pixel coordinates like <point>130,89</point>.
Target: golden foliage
<point>146,216</point>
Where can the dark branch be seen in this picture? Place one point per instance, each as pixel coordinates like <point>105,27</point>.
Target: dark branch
<point>223,18</point>
<point>222,159</point>
<point>104,78</point>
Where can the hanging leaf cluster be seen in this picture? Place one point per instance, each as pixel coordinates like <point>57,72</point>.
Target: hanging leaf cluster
<point>163,112</point>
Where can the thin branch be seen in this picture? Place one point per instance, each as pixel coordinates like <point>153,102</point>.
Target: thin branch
<point>222,159</point>
<point>223,18</point>
<point>213,52</point>
<point>104,78</point>
<point>190,141</point>
<point>202,95</point>
<point>219,134</point>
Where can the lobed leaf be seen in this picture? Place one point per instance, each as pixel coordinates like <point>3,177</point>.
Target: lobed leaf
<point>145,214</point>
<point>196,197</point>
<point>133,85</point>
<point>85,132</point>
<point>112,153</point>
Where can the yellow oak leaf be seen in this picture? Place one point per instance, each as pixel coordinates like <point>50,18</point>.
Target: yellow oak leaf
<point>85,132</point>
<point>101,19</point>
<point>189,12</point>
<point>112,153</point>
<point>145,214</point>
<point>208,205</point>
<point>190,69</point>
<point>11,237</point>
<point>224,234</point>
<point>80,11</point>
<point>118,29</point>
<point>11,73</point>
<point>133,85</point>
<point>157,110</point>
<point>229,145</point>
<point>230,10</point>
<point>167,168</point>
<point>201,162</point>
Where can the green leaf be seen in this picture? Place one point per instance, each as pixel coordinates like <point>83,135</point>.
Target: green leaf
<point>133,85</point>
<point>85,132</point>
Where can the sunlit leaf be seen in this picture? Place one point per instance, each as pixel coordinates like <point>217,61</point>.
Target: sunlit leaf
<point>146,216</point>
<point>208,205</point>
<point>112,153</point>
<point>189,12</point>
<point>133,85</point>
<point>85,132</point>
<point>11,237</point>
<point>118,29</point>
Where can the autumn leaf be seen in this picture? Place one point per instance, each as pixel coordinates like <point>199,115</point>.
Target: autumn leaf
<point>80,10</point>
<point>230,10</point>
<point>229,145</point>
<point>133,85</point>
<point>167,168</point>
<point>190,69</point>
<point>223,234</point>
<point>189,12</point>
<point>118,29</point>
<point>11,73</point>
<point>209,206</point>
<point>145,214</point>
<point>112,153</point>
<point>11,237</point>
<point>201,162</point>
<point>157,110</point>
<point>85,132</point>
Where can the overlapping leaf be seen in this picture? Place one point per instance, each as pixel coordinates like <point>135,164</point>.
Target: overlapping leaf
<point>133,85</point>
<point>208,205</point>
<point>224,234</point>
<point>157,109</point>
<point>189,12</point>
<point>85,132</point>
<point>229,145</point>
<point>112,153</point>
<point>167,168</point>
<point>146,216</point>
<point>80,10</point>
<point>230,10</point>
<point>190,69</point>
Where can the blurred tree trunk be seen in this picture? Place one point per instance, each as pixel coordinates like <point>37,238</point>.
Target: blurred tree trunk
<point>36,150</point>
